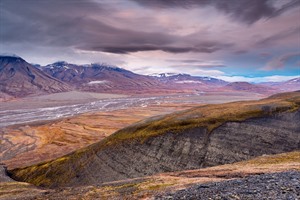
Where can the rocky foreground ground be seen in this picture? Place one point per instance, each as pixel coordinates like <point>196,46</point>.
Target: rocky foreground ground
<point>265,177</point>
<point>284,185</point>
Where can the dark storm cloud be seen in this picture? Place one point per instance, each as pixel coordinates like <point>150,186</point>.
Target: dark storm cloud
<point>140,47</point>
<point>92,26</point>
<point>248,11</point>
<point>44,21</point>
<point>285,7</point>
<point>81,25</point>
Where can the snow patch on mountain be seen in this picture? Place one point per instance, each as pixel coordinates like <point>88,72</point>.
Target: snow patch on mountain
<point>189,81</point>
<point>160,75</point>
<point>98,82</point>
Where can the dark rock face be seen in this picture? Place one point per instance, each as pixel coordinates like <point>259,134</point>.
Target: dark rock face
<point>234,141</point>
<point>192,149</point>
<point>167,153</point>
<point>3,176</point>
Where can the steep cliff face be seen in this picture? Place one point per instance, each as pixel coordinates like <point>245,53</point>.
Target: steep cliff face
<point>236,141</point>
<point>194,149</point>
<point>188,148</point>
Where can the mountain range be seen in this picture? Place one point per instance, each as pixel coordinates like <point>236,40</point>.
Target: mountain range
<point>101,78</point>
<point>18,78</point>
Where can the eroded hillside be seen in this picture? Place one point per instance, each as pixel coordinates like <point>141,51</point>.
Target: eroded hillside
<point>164,185</point>
<point>200,137</point>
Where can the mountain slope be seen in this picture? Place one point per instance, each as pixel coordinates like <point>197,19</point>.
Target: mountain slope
<point>105,78</point>
<point>248,87</point>
<point>186,78</point>
<point>19,78</point>
<point>102,78</point>
<point>290,85</point>
<point>186,81</point>
<point>200,137</point>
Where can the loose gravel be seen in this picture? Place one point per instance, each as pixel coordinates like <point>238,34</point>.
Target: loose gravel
<point>284,185</point>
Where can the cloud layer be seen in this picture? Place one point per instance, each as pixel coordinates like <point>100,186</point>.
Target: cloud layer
<point>226,37</point>
<point>281,61</point>
<point>242,10</point>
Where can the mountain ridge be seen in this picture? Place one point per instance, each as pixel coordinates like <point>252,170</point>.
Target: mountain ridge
<point>62,76</point>
<point>19,78</point>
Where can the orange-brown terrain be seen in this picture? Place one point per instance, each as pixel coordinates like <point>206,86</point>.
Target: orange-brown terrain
<point>30,143</point>
<point>25,145</point>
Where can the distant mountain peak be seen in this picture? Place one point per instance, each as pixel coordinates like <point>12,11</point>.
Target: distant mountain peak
<point>60,63</point>
<point>294,80</point>
<point>168,74</point>
<point>105,65</point>
<point>19,78</point>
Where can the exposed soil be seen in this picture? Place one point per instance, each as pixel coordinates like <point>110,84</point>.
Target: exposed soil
<point>24,145</point>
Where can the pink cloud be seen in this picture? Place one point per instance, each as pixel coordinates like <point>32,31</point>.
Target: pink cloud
<point>279,62</point>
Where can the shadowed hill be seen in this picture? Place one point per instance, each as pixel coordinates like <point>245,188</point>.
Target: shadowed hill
<point>19,78</point>
<point>200,137</point>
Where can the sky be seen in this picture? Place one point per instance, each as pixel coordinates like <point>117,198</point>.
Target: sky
<point>236,40</point>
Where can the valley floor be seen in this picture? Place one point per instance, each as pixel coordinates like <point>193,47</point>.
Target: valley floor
<point>67,104</point>
<point>39,134</point>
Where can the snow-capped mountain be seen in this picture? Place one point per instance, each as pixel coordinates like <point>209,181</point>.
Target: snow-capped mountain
<point>163,75</point>
<point>173,78</point>
<point>100,77</point>
<point>19,78</point>
<point>290,85</point>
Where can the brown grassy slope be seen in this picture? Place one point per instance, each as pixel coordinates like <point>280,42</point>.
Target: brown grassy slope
<point>152,185</point>
<point>26,145</point>
<point>143,188</point>
<point>210,116</point>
